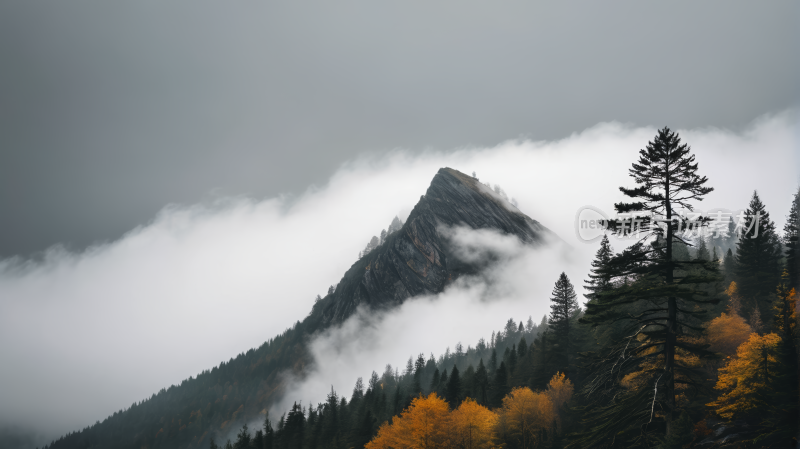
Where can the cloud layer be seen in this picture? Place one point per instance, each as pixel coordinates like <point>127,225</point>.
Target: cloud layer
<point>85,334</point>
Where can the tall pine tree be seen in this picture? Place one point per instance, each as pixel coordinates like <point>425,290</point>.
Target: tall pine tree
<point>791,231</point>
<point>599,280</point>
<point>659,301</point>
<point>563,304</point>
<point>758,256</point>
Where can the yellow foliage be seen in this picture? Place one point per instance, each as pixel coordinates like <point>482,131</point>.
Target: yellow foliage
<point>726,332</point>
<point>472,426</point>
<point>429,423</point>
<point>560,390</point>
<point>424,424</point>
<point>734,300</point>
<point>525,413</point>
<point>745,378</point>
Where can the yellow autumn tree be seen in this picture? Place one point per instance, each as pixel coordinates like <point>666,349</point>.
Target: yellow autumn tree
<point>472,426</point>
<point>424,424</point>
<point>560,390</point>
<point>525,414</point>
<point>745,380</point>
<point>727,332</point>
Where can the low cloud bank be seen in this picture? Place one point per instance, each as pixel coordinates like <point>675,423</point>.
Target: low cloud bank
<point>85,334</point>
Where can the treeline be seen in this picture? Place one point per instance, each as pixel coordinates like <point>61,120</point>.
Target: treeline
<point>454,377</point>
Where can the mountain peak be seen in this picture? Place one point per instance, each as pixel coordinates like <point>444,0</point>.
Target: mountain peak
<point>417,259</point>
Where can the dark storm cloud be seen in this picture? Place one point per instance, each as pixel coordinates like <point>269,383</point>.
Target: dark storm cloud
<point>108,111</point>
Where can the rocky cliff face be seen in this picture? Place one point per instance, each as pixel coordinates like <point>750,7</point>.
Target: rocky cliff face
<point>417,260</point>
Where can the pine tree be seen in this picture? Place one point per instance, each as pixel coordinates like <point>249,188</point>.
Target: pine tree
<point>563,305</point>
<point>481,384</point>
<point>269,434</point>
<point>758,259</point>
<point>499,385</point>
<point>436,380</point>
<point>660,301</point>
<point>599,280</point>
<point>702,251</point>
<point>243,438</point>
<point>791,231</point>
<point>729,265</point>
<point>454,388</point>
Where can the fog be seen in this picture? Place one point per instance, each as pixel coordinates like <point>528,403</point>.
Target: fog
<point>516,285</point>
<point>85,334</point>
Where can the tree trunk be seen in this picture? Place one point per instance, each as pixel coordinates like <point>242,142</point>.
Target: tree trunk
<point>672,312</point>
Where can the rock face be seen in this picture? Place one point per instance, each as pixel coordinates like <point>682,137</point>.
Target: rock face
<point>417,260</point>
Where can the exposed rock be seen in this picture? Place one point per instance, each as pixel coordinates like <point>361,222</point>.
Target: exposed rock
<point>416,259</point>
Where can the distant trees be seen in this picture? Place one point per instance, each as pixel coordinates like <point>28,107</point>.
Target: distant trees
<point>376,241</point>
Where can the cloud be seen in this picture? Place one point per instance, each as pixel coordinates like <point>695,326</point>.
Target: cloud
<point>85,334</point>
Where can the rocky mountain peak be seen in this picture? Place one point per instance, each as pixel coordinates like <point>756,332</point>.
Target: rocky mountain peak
<point>417,260</point>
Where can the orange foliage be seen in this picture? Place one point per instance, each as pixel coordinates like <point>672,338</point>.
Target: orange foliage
<point>734,301</point>
<point>429,423</point>
<point>424,424</point>
<point>747,376</point>
<point>560,390</point>
<point>525,413</point>
<point>472,426</point>
<point>727,332</point>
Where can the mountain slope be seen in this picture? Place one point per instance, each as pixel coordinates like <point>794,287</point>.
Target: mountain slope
<point>417,260</point>
<point>413,261</point>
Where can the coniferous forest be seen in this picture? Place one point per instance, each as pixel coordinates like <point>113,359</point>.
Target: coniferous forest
<point>684,339</point>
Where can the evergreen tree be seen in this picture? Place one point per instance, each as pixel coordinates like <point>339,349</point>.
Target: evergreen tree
<point>243,438</point>
<point>512,359</point>
<point>729,265</point>
<point>702,251</point>
<point>481,384</point>
<point>493,361</point>
<point>791,231</point>
<point>757,259</point>
<point>599,279</point>
<point>436,380</point>
<point>563,305</point>
<point>269,434</point>
<point>499,385</point>
<point>365,431</point>
<point>667,301</point>
<point>212,444</point>
<point>454,388</point>
<point>522,349</point>
<point>781,414</point>
<point>441,389</point>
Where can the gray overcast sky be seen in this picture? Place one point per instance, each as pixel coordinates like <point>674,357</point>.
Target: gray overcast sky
<point>111,110</point>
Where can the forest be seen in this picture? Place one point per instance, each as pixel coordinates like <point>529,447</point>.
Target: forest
<point>685,339</point>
